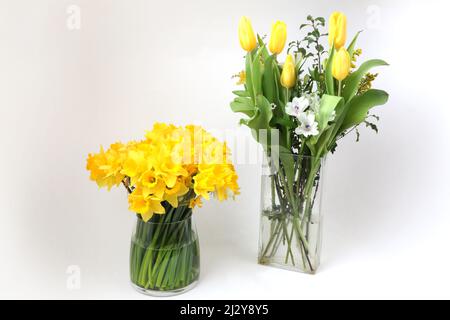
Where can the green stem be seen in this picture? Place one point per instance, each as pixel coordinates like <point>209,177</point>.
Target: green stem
<point>272,239</point>
<point>171,251</point>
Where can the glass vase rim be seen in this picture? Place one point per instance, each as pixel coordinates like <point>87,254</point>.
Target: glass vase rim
<point>164,223</point>
<point>296,155</point>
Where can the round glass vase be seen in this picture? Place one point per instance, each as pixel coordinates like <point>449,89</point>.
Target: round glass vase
<point>165,254</point>
<point>291,217</point>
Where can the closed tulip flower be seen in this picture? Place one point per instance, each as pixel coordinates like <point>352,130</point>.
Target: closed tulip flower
<point>341,64</point>
<point>246,35</point>
<point>338,30</point>
<point>288,76</point>
<point>278,37</point>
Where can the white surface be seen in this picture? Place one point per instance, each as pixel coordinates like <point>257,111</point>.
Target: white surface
<point>63,93</point>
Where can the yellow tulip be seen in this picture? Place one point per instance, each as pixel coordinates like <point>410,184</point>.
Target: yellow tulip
<point>341,64</point>
<point>246,35</point>
<point>278,37</point>
<point>288,76</point>
<point>338,30</point>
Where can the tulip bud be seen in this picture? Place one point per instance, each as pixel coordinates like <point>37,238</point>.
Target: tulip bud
<point>246,35</point>
<point>338,30</point>
<point>278,37</point>
<point>341,64</point>
<point>288,76</point>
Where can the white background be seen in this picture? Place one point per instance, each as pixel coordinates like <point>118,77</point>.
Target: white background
<point>64,92</point>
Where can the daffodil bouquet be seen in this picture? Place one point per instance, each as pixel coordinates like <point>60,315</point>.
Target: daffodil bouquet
<point>298,110</point>
<point>166,175</point>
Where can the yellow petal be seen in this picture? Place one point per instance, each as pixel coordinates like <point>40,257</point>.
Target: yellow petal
<point>278,37</point>
<point>337,33</point>
<point>341,64</point>
<point>247,37</point>
<point>289,76</point>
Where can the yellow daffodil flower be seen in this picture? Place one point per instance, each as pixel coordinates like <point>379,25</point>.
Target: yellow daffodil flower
<point>196,202</point>
<point>165,167</point>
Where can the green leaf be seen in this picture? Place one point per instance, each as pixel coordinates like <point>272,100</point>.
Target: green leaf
<point>264,52</point>
<point>372,126</point>
<point>269,81</point>
<point>351,84</point>
<point>242,93</point>
<point>329,80</point>
<point>243,105</point>
<point>288,164</point>
<point>262,116</point>
<point>328,105</point>
<point>243,108</point>
<point>304,26</point>
<point>282,99</point>
<point>244,100</point>
<point>321,20</point>
<point>249,76</point>
<point>257,74</point>
<point>359,107</point>
<point>284,122</point>
<point>351,47</point>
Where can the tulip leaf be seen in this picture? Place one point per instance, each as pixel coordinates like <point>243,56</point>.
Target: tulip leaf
<point>271,87</point>
<point>329,80</point>
<point>351,84</point>
<point>284,122</point>
<point>286,158</point>
<point>249,76</point>
<point>262,117</point>
<point>327,107</point>
<point>359,107</point>
<point>257,74</point>
<point>282,98</point>
<point>331,134</point>
<point>264,52</point>
<point>243,105</point>
<point>269,81</point>
<point>351,47</point>
<point>242,93</point>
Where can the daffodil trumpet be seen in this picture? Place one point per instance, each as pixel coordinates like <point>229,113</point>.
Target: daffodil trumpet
<point>166,175</point>
<point>312,101</point>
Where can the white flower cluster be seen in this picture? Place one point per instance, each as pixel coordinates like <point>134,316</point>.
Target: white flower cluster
<point>305,110</point>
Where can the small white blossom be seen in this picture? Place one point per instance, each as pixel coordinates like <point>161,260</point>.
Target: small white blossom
<point>297,106</point>
<point>308,125</point>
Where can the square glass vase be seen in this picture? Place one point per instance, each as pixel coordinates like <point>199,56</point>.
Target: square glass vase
<point>291,219</point>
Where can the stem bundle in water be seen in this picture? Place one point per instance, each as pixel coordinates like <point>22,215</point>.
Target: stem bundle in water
<point>165,252</point>
<point>290,234</point>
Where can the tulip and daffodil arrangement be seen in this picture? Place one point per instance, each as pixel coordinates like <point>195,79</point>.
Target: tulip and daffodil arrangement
<point>166,175</point>
<point>312,99</point>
